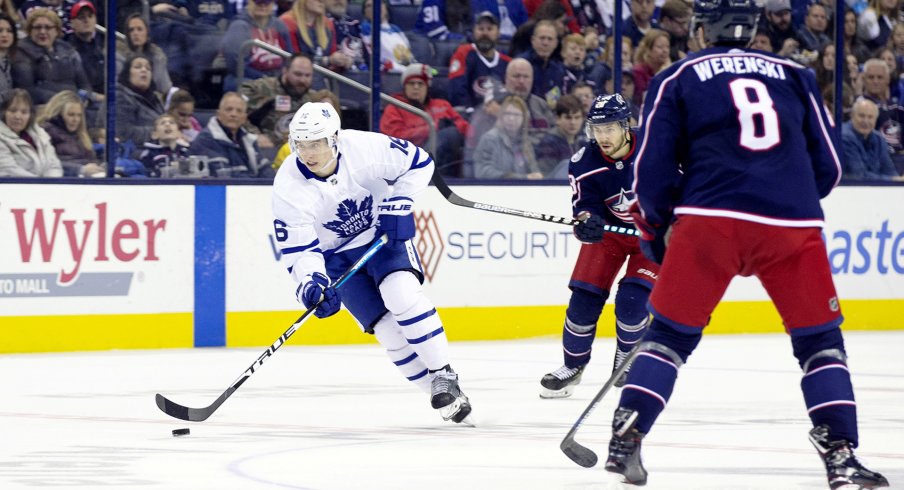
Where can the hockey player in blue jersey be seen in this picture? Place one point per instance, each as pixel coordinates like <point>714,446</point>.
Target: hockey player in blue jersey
<point>331,199</point>
<point>601,174</point>
<point>730,186</point>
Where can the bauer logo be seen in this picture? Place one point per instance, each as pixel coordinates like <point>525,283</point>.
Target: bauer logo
<point>61,246</point>
<point>429,242</point>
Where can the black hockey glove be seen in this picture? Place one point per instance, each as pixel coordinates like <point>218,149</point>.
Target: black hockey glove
<point>590,228</point>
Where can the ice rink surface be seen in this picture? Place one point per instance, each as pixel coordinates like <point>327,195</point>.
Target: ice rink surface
<point>341,417</point>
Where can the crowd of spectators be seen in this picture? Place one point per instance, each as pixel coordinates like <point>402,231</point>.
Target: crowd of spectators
<point>507,83</point>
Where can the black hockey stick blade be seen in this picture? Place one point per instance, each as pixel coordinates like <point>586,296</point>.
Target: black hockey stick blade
<point>457,200</point>
<point>581,455</point>
<point>175,410</point>
<point>182,412</point>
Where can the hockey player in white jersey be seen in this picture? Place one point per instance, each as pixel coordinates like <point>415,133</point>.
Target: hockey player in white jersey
<point>333,196</point>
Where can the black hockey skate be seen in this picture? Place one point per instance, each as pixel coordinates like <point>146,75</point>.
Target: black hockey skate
<point>624,448</point>
<point>620,356</point>
<point>561,382</point>
<point>843,469</point>
<point>447,397</point>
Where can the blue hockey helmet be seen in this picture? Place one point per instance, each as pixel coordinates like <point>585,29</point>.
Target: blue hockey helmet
<point>726,22</point>
<point>607,109</point>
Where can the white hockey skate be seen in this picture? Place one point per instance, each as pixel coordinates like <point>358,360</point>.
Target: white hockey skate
<point>561,382</point>
<point>447,397</point>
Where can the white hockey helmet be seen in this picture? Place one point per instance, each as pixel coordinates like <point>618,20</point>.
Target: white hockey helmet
<point>314,121</point>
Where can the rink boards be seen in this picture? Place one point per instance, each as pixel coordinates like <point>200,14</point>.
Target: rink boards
<point>142,266</point>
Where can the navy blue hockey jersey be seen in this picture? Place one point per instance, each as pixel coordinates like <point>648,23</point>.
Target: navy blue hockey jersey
<point>471,76</point>
<point>735,133</point>
<point>601,185</point>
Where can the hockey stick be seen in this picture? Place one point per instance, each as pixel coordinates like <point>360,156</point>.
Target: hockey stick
<point>583,455</point>
<point>457,200</point>
<point>173,409</point>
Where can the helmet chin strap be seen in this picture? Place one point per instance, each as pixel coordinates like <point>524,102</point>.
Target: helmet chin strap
<point>625,142</point>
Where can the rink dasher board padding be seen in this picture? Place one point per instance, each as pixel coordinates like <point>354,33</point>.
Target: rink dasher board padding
<point>91,267</point>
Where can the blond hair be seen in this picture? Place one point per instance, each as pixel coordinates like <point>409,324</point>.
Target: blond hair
<point>301,20</point>
<point>646,45</point>
<point>55,108</point>
<point>44,13</point>
<point>576,39</point>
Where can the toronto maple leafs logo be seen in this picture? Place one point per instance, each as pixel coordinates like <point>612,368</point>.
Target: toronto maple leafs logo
<point>352,217</point>
<point>325,113</point>
<point>620,203</point>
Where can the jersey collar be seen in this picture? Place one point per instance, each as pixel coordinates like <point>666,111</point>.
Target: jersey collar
<point>627,155</point>
<point>312,176</point>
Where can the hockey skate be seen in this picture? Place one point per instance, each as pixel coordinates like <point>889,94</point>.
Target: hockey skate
<point>620,356</point>
<point>561,382</point>
<point>843,469</point>
<point>624,449</point>
<point>447,397</point>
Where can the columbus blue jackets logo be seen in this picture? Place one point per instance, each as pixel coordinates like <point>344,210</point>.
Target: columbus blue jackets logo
<point>620,203</point>
<point>353,218</point>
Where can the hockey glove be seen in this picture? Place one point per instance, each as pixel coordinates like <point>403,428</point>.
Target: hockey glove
<point>395,219</point>
<point>590,228</point>
<point>652,238</point>
<point>316,286</point>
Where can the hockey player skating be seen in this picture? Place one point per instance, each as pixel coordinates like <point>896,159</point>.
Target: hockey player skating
<point>331,199</point>
<point>601,174</point>
<point>743,152</point>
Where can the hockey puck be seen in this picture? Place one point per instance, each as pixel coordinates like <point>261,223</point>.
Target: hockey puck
<point>181,432</point>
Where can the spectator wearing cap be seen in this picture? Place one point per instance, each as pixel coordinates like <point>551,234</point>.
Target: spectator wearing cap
<point>812,36</point>
<point>876,23</point>
<point>89,43</point>
<point>865,150</point>
<point>272,101</point>
<point>675,18</point>
<point>62,8</point>
<point>549,72</point>
<point>255,22</point>
<point>474,67</point>
<point>512,16</point>
<point>443,20</point>
<point>450,126</point>
<point>641,20</point>
<point>776,23</point>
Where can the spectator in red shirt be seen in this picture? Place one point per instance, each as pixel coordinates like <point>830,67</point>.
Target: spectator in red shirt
<point>450,126</point>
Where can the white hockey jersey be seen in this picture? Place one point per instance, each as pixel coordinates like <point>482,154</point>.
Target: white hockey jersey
<point>316,217</point>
